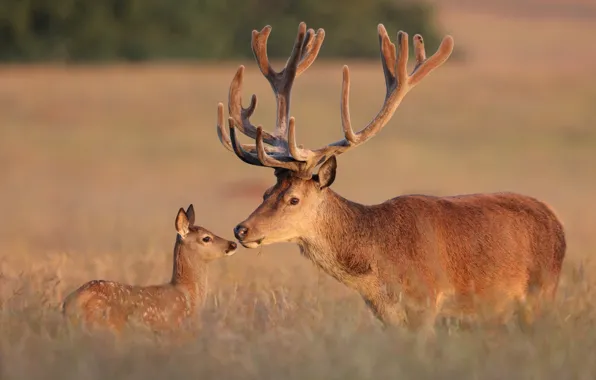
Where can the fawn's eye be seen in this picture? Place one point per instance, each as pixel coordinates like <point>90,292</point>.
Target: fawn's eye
<point>207,239</point>
<point>294,201</point>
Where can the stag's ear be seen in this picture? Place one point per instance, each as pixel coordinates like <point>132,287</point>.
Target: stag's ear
<point>326,174</point>
<point>190,214</point>
<point>182,223</point>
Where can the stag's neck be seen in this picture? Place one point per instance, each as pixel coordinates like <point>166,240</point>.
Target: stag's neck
<point>189,276</point>
<point>335,243</point>
<point>336,209</point>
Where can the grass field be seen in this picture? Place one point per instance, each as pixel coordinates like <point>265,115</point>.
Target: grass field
<point>96,161</point>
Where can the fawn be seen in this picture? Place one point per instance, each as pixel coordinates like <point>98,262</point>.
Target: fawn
<point>110,304</point>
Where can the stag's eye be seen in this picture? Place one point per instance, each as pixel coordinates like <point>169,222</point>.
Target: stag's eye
<point>294,201</point>
<point>207,239</point>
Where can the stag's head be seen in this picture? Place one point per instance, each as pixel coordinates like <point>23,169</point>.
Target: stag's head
<point>290,208</point>
<point>198,243</point>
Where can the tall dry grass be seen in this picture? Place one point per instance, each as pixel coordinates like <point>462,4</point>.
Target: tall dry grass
<point>95,162</point>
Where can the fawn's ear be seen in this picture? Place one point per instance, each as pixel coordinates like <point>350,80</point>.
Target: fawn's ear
<point>326,174</point>
<point>190,214</point>
<point>182,223</point>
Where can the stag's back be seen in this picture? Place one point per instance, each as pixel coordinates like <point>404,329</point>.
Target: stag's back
<point>478,244</point>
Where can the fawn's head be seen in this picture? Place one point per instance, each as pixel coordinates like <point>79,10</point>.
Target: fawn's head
<point>290,207</point>
<point>198,243</point>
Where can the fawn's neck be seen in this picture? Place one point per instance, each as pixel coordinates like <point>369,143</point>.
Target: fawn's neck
<point>189,274</point>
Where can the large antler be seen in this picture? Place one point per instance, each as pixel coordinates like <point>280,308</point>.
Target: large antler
<point>283,151</point>
<point>305,51</point>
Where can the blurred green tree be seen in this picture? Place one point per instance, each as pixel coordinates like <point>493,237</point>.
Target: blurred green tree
<point>108,30</point>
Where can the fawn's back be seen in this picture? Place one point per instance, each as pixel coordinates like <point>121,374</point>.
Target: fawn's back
<point>113,304</point>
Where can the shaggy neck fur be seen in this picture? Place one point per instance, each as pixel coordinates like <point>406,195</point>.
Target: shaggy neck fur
<point>335,246</point>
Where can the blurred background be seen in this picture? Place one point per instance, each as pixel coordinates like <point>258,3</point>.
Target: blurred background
<point>108,126</point>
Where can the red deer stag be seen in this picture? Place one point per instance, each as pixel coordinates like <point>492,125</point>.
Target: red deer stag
<point>163,307</point>
<point>411,254</point>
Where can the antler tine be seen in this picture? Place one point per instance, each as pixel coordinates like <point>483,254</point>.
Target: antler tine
<point>259,49</point>
<point>419,51</point>
<point>402,61</point>
<point>310,51</point>
<point>388,58</point>
<point>291,67</point>
<point>427,66</point>
<point>240,114</point>
<point>238,148</point>
<point>223,134</point>
<point>297,153</point>
<point>346,123</point>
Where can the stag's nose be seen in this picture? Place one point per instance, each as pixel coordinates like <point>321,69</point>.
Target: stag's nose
<point>240,232</point>
<point>231,247</point>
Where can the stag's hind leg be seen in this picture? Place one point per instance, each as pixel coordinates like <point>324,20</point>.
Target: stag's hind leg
<point>540,294</point>
<point>543,279</point>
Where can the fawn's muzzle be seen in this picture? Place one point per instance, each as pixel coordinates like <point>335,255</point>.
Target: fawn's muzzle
<point>231,247</point>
